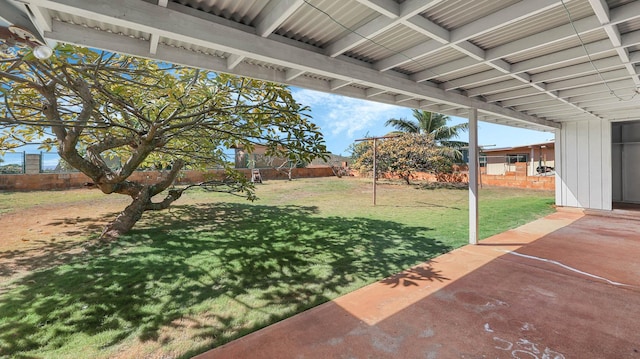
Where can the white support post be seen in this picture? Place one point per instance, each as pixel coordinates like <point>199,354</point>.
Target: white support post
<point>473,176</point>
<point>558,163</point>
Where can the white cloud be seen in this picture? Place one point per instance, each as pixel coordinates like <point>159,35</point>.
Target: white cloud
<point>340,115</point>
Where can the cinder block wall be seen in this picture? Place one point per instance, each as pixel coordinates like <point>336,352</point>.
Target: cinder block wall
<point>61,181</point>
<point>531,182</point>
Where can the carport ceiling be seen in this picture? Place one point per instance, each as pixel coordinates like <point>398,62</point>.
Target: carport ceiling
<point>523,63</point>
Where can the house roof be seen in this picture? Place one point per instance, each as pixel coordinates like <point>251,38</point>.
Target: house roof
<point>549,145</point>
<point>531,64</point>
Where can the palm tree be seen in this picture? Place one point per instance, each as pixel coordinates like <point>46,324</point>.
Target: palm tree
<point>434,124</point>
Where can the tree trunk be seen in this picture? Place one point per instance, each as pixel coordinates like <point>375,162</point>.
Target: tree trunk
<point>127,218</point>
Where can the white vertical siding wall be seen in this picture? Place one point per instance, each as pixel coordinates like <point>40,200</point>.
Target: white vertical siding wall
<point>583,174</point>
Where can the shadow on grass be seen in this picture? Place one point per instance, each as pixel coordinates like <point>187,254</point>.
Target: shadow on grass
<point>229,269</point>
<point>443,185</point>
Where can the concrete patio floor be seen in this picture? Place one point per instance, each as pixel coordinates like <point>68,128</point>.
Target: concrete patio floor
<point>565,286</point>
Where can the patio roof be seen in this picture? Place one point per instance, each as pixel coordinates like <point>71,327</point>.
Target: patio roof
<point>530,64</point>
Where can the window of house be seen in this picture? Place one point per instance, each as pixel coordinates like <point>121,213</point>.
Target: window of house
<point>520,157</point>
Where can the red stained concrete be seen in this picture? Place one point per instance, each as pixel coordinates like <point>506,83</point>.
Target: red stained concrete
<point>570,290</point>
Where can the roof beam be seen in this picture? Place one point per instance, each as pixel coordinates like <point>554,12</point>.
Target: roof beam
<point>13,16</point>
<point>234,60</point>
<point>605,64</point>
<point>155,37</point>
<point>601,9</point>
<point>382,23</point>
<point>513,13</point>
<point>145,17</point>
<point>525,100</point>
<point>620,14</point>
<point>387,8</point>
<point>475,79</point>
<point>614,85</point>
<point>274,14</point>
<point>588,80</point>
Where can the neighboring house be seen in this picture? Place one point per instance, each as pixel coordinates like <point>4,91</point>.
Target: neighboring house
<point>529,160</point>
<point>257,158</point>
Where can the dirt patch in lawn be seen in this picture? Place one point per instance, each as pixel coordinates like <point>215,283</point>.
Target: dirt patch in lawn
<point>45,235</point>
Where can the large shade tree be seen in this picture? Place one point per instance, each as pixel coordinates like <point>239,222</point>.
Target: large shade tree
<point>434,124</point>
<point>403,155</point>
<point>94,106</point>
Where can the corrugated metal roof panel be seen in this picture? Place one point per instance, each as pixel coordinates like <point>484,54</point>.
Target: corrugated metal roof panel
<point>615,3</point>
<point>453,14</point>
<point>576,61</point>
<point>629,26</point>
<point>94,24</point>
<point>465,72</point>
<point>319,22</point>
<point>267,65</point>
<point>195,48</point>
<point>543,21</point>
<point>243,12</point>
<point>558,46</point>
<point>391,42</point>
<point>439,57</point>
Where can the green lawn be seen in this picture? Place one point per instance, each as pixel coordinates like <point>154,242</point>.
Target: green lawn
<point>202,274</point>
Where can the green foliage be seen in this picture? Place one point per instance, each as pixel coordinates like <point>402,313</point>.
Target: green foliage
<point>183,112</point>
<point>403,155</point>
<point>434,124</point>
<point>96,107</point>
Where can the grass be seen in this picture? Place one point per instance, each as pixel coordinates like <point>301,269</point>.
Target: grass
<point>202,274</point>
<point>13,201</point>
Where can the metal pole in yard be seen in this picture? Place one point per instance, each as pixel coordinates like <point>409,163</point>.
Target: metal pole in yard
<point>375,164</point>
<point>375,170</point>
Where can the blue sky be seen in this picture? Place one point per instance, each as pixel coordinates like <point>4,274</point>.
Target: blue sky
<point>344,119</point>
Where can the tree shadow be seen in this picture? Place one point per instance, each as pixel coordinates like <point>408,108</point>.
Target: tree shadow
<point>213,265</point>
<point>412,276</point>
